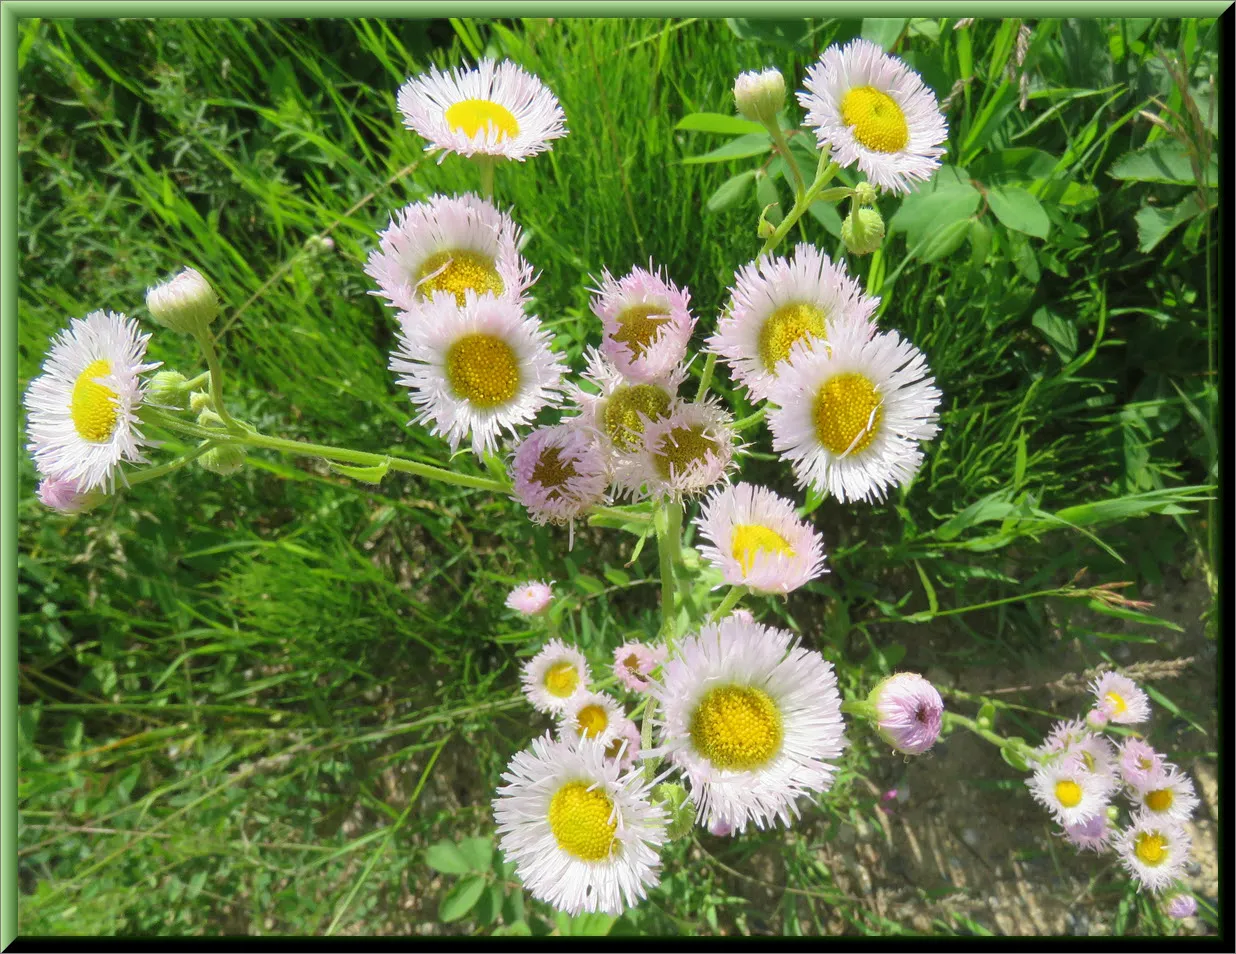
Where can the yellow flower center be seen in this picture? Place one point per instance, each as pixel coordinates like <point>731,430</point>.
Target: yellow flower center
<point>1151,848</point>
<point>639,325</point>
<point>785,327</point>
<point>457,270</point>
<point>93,405</point>
<point>681,448</point>
<point>736,727</point>
<point>1068,793</point>
<point>1160,800</point>
<point>561,679</point>
<point>848,412</point>
<point>482,369</point>
<point>632,664</point>
<point>592,720</point>
<point>750,539</point>
<point>1088,759</point>
<point>552,472</point>
<point>1116,701</point>
<point>471,116</point>
<point>879,124</point>
<point>621,415</point>
<point>581,822</point>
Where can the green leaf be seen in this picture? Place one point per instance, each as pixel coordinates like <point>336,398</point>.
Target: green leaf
<point>478,852</point>
<point>616,576</point>
<point>1060,334</point>
<point>1018,210</point>
<point>1125,612</point>
<point>883,31</point>
<point>987,715</point>
<point>369,475</point>
<point>585,925</point>
<point>766,195</point>
<point>1011,754</point>
<point>1166,162</point>
<point>718,123</point>
<point>944,242</point>
<point>827,216</point>
<point>930,211</point>
<point>787,34</point>
<point>980,242</point>
<point>589,584</point>
<point>446,857</point>
<point>490,905</point>
<point>461,899</point>
<point>755,144</point>
<point>932,602</point>
<point>1154,224</point>
<point>730,191</point>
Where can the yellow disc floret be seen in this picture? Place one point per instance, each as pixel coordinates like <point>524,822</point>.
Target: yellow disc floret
<point>1068,793</point>
<point>456,271</point>
<point>483,369</point>
<point>749,539</point>
<point>639,325</point>
<point>878,122</point>
<point>620,417</point>
<point>552,472</point>
<point>1117,703</point>
<point>736,727</point>
<point>582,821</point>
<point>1160,800</point>
<point>93,405</point>
<point>561,679</point>
<point>471,116</point>
<point>680,449</point>
<point>593,720</point>
<point>1150,848</point>
<point>785,327</point>
<point>848,411</point>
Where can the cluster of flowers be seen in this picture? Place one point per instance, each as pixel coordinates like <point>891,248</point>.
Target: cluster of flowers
<point>1082,771</point>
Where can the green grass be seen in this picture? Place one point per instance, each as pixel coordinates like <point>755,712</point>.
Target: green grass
<point>248,705</point>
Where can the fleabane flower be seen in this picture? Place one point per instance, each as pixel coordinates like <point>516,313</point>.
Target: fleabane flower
<point>849,417</point>
<point>449,245</point>
<point>775,304</point>
<point>1154,851</point>
<point>683,453</point>
<point>1098,755</point>
<point>752,719</point>
<point>83,407</point>
<point>756,539</point>
<point>478,370</point>
<point>583,834</point>
<point>1062,736</point>
<point>634,662</point>
<point>868,107</point>
<point>1139,762</point>
<point>558,472</point>
<point>1071,792</point>
<point>1166,793</point>
<point>620,408</point>
<point>531,598</point>
<point>554,676</point>
<point>624,748</point>
<point>592,716</point>
<point>56,493</point>
<point>1180,906</point>
<point>646,323</point>
<point>496,109</point>
<point>1119,698</point>
<point>909,712</point>
<point>1094,834</point>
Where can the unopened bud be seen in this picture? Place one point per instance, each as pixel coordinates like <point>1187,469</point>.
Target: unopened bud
<point>208,418</point>
<point>167,389</point>
<point>862,231</point>
<point>186,304</point>
<point>760,95</point>
<point>200,401</point>
<point>223,460</point>
<point>62,494</point>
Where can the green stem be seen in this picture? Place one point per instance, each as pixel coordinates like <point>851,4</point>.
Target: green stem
<point>487,175</point>
<point>751,419</point>
<point>666,542</point>
<point>192,383</point>
<point>207,344</point>
<point>706,377</point>
<point>783,147</point>
<point>861,708</point>
<point>735,594</point>
<point>824,174</point>
<point>616,513</point>
<point>953,719</point>
<point>152,473</point>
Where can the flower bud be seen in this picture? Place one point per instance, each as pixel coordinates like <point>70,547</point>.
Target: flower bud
<point>865,193</point>
<point>167,389</point>
<point>862,231</point>
<point>909,712</point>
<point>223,460</point>
<point>1181,906</point>
<point>760,95</point>
<point>208,418</point>
<point>200,401</point>
<point>186,304</point>
<point>62,494</point>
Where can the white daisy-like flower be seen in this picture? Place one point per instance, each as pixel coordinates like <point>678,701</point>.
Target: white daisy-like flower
<point>870,108</point>
<point>594,716</point>
<point>557,472</point>
<point>497,109</point>
<point>1062,736</point>
<point>634,662</point>
<point>555,676</point>
<point>684,453</point>
<point>83,407</point>
<point>481,369</point>
<point>849,417</point>
<point>1071,792</point>
<point>1094,834</point>
<point>449,245</point>
<point>619,408</point>
<point>646,323</point>
<point>752,719</point>
<point>531,598</point>
<point>1098,755</point>
<point>1166,793</point>
<point>756,539</point>
<point>775,304</point>
<point>583,835</point>
<point>625,747</point>
<point>1154,850</point>
<point>1120,699</point>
